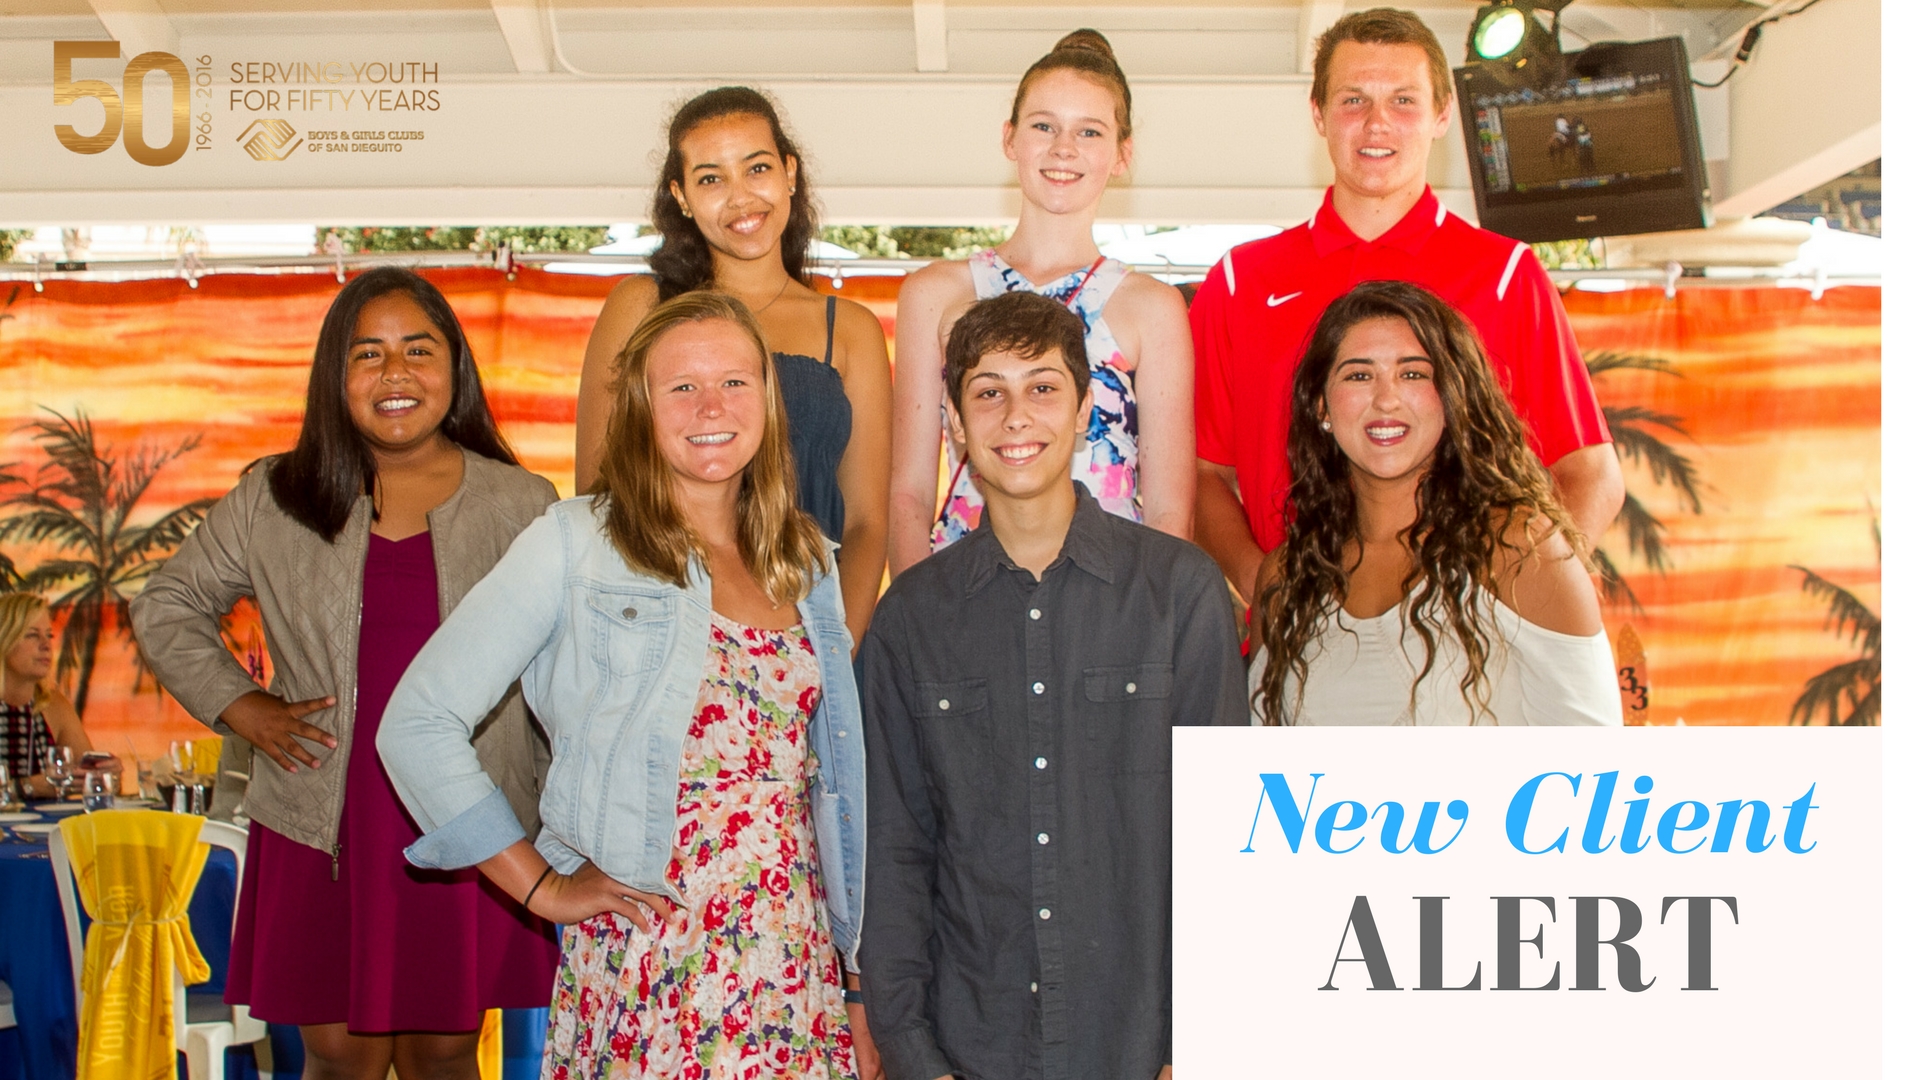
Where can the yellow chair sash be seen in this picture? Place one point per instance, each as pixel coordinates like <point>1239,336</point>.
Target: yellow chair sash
<point>136,871</point>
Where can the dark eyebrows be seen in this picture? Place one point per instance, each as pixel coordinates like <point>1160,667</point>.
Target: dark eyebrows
<point>715,165</point>
<point>1028,374</point>
<point>426,335</point>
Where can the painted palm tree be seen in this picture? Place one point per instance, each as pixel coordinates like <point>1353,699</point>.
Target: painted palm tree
<point>81,505</point>
<point>1848,693</point>
<point>1638,439</point>
<point>9,574</point>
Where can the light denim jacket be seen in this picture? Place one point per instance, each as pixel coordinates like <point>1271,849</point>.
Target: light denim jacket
<point>610,662</point>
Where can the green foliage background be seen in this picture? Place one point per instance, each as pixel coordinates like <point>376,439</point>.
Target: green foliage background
<point>913,241</point>
<point>463,237</point>
<point>9,239</point>
<point>1571,254</point>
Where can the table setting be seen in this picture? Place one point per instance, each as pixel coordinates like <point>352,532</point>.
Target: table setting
<point>33,938</point>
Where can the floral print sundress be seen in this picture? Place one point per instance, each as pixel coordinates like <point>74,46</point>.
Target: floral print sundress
<point>744,982</point>
<point>1108,462</point>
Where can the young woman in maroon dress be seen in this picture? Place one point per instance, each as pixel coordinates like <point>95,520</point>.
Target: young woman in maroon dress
<point>399,496</point>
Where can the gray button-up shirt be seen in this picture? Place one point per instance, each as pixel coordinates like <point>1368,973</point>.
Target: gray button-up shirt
<point>1019,884</point>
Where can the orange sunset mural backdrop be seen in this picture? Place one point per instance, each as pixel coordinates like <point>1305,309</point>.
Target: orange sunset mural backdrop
<point>1763,404</point>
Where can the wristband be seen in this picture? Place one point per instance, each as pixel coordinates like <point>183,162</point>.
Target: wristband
<point>853,997</point>
<point>528,902</point>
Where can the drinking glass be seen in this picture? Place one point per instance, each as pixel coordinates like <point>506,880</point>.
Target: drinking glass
<point>60,768</point>
<point>97,790</point>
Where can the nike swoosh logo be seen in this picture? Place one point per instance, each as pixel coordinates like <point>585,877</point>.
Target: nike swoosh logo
<point>1276,301</point>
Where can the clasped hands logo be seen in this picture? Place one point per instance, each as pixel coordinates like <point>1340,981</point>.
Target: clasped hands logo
<point>269,140</point>
<point>125,108</point>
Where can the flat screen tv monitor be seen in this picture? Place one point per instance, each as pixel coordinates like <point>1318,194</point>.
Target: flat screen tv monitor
<point>1611,149</point>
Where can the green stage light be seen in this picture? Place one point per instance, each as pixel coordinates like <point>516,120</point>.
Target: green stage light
<point>1499,33</point>
<point>1508,37</point>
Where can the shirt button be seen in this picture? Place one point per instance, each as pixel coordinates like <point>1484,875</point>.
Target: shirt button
<point>1033,988</point>
<point>1034,614</point>
<point>1045,839</point>
<point>944,705</point>
<point>1039,688</point>
<point>1131,688</point>
<point>842,734</point>
<point>1045,914</point>
<point>1039,763</point>
<point>628,613</point>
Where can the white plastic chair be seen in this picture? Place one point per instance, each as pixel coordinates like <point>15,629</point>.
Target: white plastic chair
<point>204,1038</point>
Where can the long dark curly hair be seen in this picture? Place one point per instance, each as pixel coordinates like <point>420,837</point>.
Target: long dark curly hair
<point>1483,479</point>
<point>683,261</point>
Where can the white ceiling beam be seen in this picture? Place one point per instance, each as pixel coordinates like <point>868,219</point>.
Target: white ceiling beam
<point>138,25</point>
<point>1806,108</point>
<point>1315,17</point>
<point>526,33</point>
<point>930,34</point>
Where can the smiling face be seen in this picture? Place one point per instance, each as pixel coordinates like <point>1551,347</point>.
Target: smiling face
<point>736,185</point>
<point>31,658</point>
<point>1380,119</point>
<point>1020,423</point>
<point>709,398</point>
<point>1386,412</point>
<point>399,375</point>
<point>1066,142</point>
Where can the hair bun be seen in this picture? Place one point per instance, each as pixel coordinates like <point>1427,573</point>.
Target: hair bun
<point>1088,40</point>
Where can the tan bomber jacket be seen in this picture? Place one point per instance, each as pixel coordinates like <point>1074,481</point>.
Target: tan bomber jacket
<point>309,595</point>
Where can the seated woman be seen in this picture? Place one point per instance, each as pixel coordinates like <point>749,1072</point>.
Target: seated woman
<point>681,635</point>
<point>1429,575</point>
<point>37,716</point>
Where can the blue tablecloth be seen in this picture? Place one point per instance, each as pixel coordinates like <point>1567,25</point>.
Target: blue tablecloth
<point>33,961</point>
<point>33,955</point>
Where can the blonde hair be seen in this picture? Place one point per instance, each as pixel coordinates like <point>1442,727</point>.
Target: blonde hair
<point>17,609</point>
<point>781,545</point>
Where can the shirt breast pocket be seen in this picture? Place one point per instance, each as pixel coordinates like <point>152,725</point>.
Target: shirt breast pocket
<point>952,720</point>
<point>629,630</point>
<point>1129,718</point>
<point>1129,683</point>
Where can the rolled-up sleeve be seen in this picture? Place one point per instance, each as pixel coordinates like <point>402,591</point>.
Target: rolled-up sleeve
<point>426,734</point>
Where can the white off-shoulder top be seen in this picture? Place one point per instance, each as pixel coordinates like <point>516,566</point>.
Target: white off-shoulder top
<point>1362,671</point>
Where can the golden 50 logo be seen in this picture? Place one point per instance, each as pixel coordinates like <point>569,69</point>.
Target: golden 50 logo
<point>126,107</point>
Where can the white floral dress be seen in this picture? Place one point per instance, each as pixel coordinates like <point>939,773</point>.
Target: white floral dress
<point>1109,461</point>
<point>744,982</point>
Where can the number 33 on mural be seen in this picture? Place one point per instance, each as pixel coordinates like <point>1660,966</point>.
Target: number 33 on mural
<point>126,107</point>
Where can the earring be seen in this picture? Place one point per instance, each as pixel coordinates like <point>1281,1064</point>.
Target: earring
<point>684,212</point>
<point>1326,425</point>
<point>791,190</point>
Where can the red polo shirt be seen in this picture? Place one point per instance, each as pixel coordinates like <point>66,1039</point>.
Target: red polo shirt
<point>1255,313</point>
